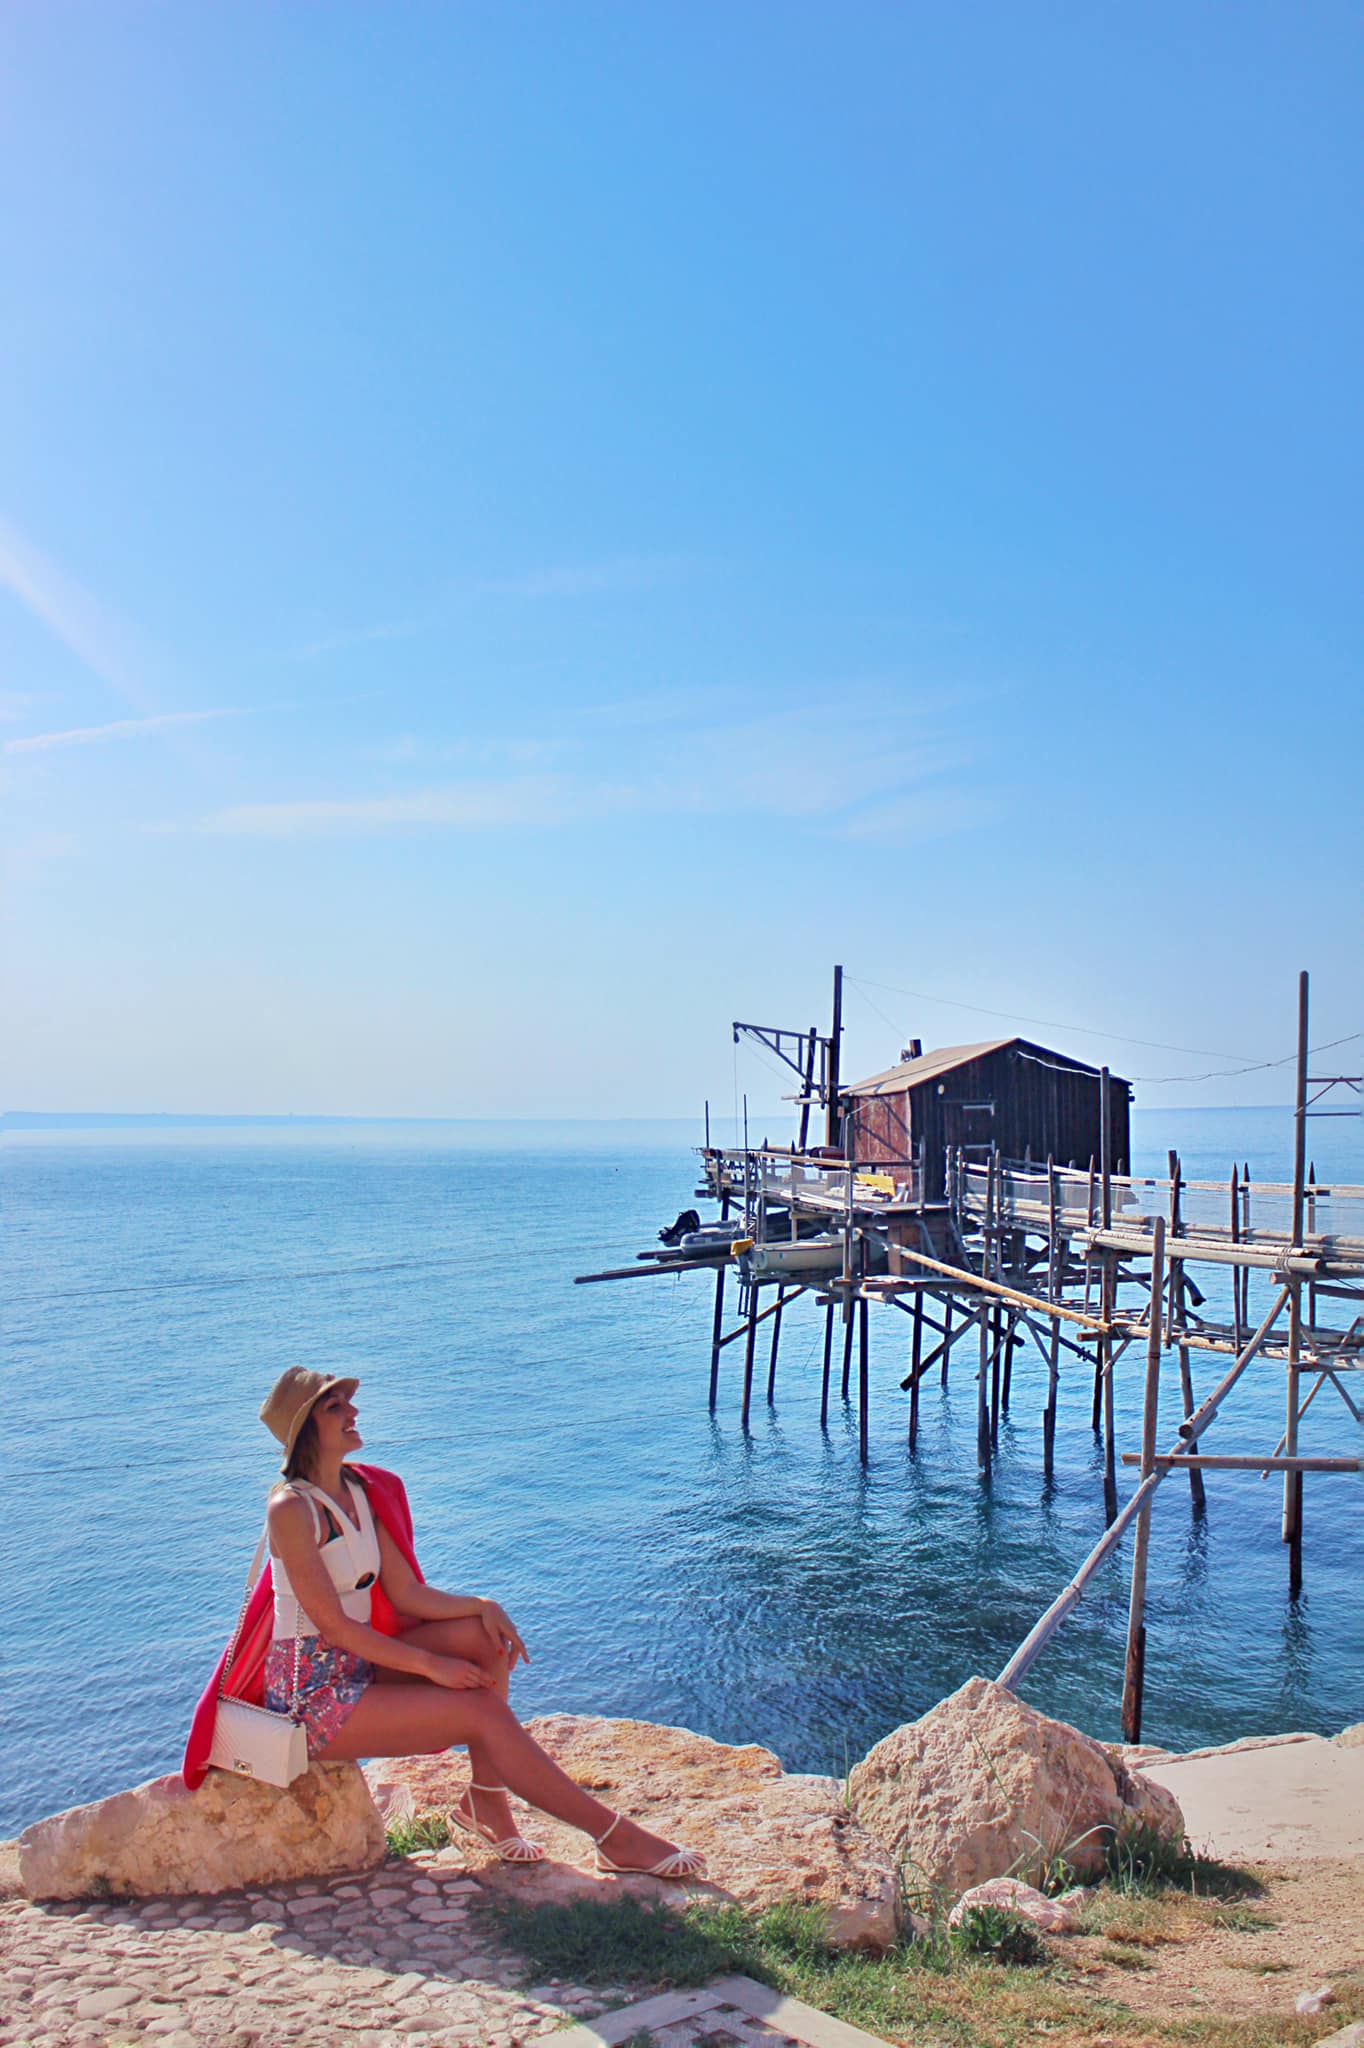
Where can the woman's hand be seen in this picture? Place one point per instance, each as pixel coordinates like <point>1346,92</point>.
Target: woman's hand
<point>457,1674</point>
<point>498,1625</point>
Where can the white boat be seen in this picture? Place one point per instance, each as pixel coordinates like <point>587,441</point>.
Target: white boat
<point>785,1258</point>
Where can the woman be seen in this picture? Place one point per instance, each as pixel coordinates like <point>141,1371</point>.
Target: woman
<point>340,1548</point>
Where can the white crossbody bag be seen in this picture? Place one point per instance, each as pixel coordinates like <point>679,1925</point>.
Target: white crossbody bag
<point>251,1742</point>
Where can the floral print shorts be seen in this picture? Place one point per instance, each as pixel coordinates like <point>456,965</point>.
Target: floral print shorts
<point>330,1681</point>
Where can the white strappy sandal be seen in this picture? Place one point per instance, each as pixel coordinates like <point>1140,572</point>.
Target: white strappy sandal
<point>682,1863</point>
<point>513,1849</point>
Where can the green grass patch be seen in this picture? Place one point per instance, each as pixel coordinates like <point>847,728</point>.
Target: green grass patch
<point>1141,1859</point>
<point>972,1988</point>
<point>940,1991</point>
<point>422,1831</point>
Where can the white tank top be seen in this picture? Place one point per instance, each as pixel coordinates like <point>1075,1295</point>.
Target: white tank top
<point>350,1558</point>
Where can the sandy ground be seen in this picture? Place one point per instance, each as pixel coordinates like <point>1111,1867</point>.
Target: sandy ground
<point>1317,1937</point>
<point>1279,1801</point>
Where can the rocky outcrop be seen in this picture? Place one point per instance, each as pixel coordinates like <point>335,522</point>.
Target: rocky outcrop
<point>160,1838</point>
<point>766,1835</point>
<point>984,1786</point>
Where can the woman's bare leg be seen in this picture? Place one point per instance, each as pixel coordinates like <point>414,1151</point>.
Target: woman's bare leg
<point>410,1720</point>
<point>470,1640</point>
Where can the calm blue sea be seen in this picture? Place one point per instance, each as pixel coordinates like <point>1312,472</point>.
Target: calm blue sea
<point>558,1451</point>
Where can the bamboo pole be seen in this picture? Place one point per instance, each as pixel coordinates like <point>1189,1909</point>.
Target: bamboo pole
<point>1134,1675</point>
<point>742,1329</point>
<point>1046,1626</point>
<point>974,1283</point>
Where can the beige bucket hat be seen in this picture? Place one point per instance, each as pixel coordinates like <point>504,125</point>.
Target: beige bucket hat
<point>290,1401</point>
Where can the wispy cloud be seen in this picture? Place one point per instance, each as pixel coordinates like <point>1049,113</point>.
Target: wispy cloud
<point>868,775</point>
<point>556,579</point>
<point>355,636</point>
<point>120,729</point>
<point>586,579</point>
<point>466,806</point>
<point>40,851</point>
<point>69,612</point>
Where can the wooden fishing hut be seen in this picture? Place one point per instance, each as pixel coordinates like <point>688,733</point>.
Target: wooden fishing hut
<point>1005,1095</point>
<point>943,1188</point>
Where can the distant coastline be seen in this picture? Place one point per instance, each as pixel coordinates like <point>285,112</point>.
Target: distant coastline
<point>190,1120</point>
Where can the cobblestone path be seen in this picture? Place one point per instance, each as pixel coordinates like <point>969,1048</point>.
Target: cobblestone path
<point>397,1958</point>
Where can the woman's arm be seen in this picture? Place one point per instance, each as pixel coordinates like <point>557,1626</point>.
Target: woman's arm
<point>427,1603</point>
<point>293,1541</point>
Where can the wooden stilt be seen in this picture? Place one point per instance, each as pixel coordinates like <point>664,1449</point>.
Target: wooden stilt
<point>996,1347</point>
<point>1103,1361</point>
<point>749,1342</point>
<point>863,1377</point>
<point>916,1345</point>
<point>717,1325</point>
<point>1006,1381</point>
<point>1107,1291</point>
<point>1292,1485</point>
<point>850,1316</point>
<point>983,1391</point>
<point>772,1356</point>
<point>1049,1412</point>
<point>828,1357</point>
<point>1235,1276</point>
<point>1136,1612</point>
<point>719,1319</point>
<point>1174,1321</point>
<point>946,1341</point>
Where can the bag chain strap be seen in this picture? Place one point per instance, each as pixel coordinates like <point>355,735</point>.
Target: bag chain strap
<point>231,1657</point>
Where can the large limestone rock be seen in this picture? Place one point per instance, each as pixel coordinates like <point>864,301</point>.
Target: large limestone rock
<point>765,1835</point>
<point>983,1786</point>
<point>232,1831</point>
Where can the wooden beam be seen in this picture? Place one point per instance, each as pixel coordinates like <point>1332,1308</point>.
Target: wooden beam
<point>1198,1461</point>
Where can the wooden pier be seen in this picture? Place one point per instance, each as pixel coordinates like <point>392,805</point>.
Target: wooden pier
<point>910,1204</point>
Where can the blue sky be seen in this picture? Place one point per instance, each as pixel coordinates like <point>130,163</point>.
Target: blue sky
<point>528,531</point>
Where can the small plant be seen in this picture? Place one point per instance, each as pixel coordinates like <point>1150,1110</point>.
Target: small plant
<point>419,1831</point>
<point>1001,1937</point>
<point>1241,1920</point>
